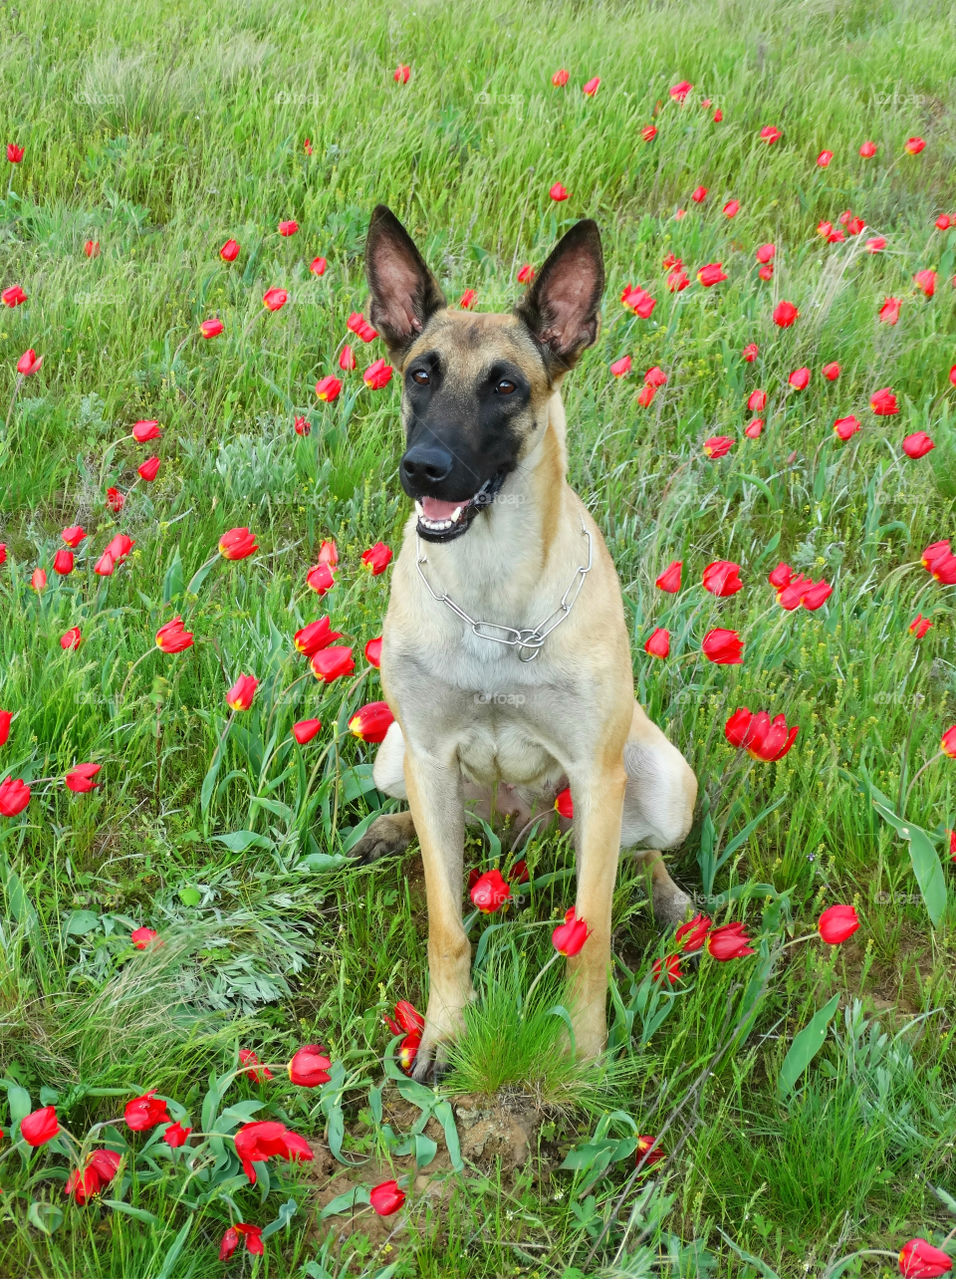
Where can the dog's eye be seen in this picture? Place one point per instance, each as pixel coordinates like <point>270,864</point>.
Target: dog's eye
<point>421,377</point>
<point>505,387</point>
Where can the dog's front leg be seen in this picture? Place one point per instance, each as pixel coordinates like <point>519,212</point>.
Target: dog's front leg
<point>598,803</point>
<point>435,797</point>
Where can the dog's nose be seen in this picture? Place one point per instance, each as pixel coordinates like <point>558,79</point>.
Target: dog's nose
<point>426,464</point>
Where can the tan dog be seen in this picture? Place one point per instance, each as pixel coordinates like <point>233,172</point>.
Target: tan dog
<point>505,654</point>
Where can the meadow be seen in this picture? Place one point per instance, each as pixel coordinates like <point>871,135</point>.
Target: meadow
<point>773,391</point>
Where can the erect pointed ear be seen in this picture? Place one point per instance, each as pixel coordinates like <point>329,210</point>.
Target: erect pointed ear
<point>561,307</point>
<point>404,291</point>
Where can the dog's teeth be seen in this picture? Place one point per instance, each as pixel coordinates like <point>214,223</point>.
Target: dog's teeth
<point>455,514</point>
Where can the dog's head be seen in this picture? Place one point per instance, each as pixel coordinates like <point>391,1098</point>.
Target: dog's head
<point>475,387</point>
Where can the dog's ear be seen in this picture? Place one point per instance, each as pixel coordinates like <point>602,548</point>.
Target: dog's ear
<point>404,291</point>
<point>561,307</point>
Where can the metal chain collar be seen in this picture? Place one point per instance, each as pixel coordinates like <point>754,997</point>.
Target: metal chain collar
<point>527,640</point>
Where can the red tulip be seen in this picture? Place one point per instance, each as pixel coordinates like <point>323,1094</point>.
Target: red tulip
<point>729,942</point>
<point>919,626</point>
<point>940,561</point>
<point>639,301</point>
<point>712,274</point>
<point>590,88</point>
<point>845,427</point>
<point>328,664</point>
<point>305,730</point>
<point>407,1018</point>
<point>699,195</point>
<point>371,722</point>
<point>824,158</point>
<point>926,280</point>
<point>784,314</point>
<point>176,1135</point>
<point>757,400</point>
<point>722,578</point>
<point>890,310</point>
<point>765,252</point>
<point>142,937</point>
<point>914,146</point>
<point>29,363</point>
<point>320,579</point>
<point>563,804</point>
<point>648,1152</point>
<point>948,743</point>
<point>753,429</point>
<point>301,426</point>
<point>387,1198</point>
<point>40,1126</point>
<point>309,1066</point>
<point>212,327</point>
<point>766,272</point>
<point>914,446</point>
<point>255,1071</point>
<point>373,652</point>
<point>315,636</point>
<point>718,116</point>
<point>560,78</point>
<point>275,299</point>
<point>71,639</point>
<point>570,937</point>
<point>876,244</point>
<point>119,547</point>
<point>490,892</point>
<point>241,694</point>
<point>115,500</point>
<point>13,296</point>
<point>622,366</point>
<point>229,251</point>
<point>655,376</point>
<point>14,153</point>
<point>669,580</point>
<point>80,777</point>
<point>148,469</point>
<point>247,1231</point>
<point>717,446</point>
<point>3,552</point>
<point>750,352</point>
<point>38,580</point>
<point>919,1260</point>
<point>105,565</point>
<point>831,371</point>
<point>172,637</point>
<point>952,845</point>
<point>883,402</point>
<point>943,222</point>
<point>146,1111</point>
<point>73,535</point>
<point>690,936</point>
<point>526,274</point>
<point>377,558</point>
<point>649,132</point>
<point>559,192</point>
<point>758,735</point>
<point>100,1170</point>
<point>5,718</point>
<point>668,968</point>
<point>868,150</point>
<point>146,429</point>
<point>731,208</point>
<point>799,378</point>
<point>236,544</point>
<point>347,359</point>
<point>288,228</point>
<point>329,387</point>
<point>837,923</point>
<point>377,375</point>
<point>63,562</point>
<point>769,134</point>
<point>680,91</point>
<point>467,299</point>
<point>781,576</point>
<point>646,395</point>
<point>265,1138</point>
<point>401,73</point>
<point>723,647</point>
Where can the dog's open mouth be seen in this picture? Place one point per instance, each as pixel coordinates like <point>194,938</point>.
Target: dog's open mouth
<point>440,521</point>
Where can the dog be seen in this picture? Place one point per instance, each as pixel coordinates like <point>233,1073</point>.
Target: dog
<point>505,654</point>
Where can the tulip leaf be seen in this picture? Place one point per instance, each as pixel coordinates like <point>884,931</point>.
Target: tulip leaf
<point>446,1118</point>
<point>175,578</point>
<point>133,1211</point>
<point>240,841</point>
<point>344,1202</point>
<point>806,1045</point>
<point>200,576</point>
<point>287,1212</point>
<point>926,864</point>
<point>174,1250</point>
<point>45,1217</point>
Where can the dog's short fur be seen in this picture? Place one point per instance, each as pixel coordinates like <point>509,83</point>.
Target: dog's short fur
<point>485,431</point>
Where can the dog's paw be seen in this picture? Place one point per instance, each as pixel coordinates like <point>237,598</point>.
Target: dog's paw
<point>671,904</point>
<point>389,834</point>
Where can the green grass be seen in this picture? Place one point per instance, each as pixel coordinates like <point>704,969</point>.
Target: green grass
<point>163,130</point>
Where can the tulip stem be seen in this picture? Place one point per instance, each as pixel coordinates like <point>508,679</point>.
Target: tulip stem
<point>172,363</point>
<point>13,399</point>
<point>141,657</point>
<point>805,937</point>
<point>916,777</point>
<point>527,999</point>
<point>246,331</point>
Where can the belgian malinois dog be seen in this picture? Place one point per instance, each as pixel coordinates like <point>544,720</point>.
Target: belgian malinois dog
<point>505,654</point>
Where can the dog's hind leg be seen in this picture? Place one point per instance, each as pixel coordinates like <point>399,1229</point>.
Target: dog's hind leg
<point>658,809</point>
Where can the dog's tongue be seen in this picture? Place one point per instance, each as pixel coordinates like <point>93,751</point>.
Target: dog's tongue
<point>435,509</point>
